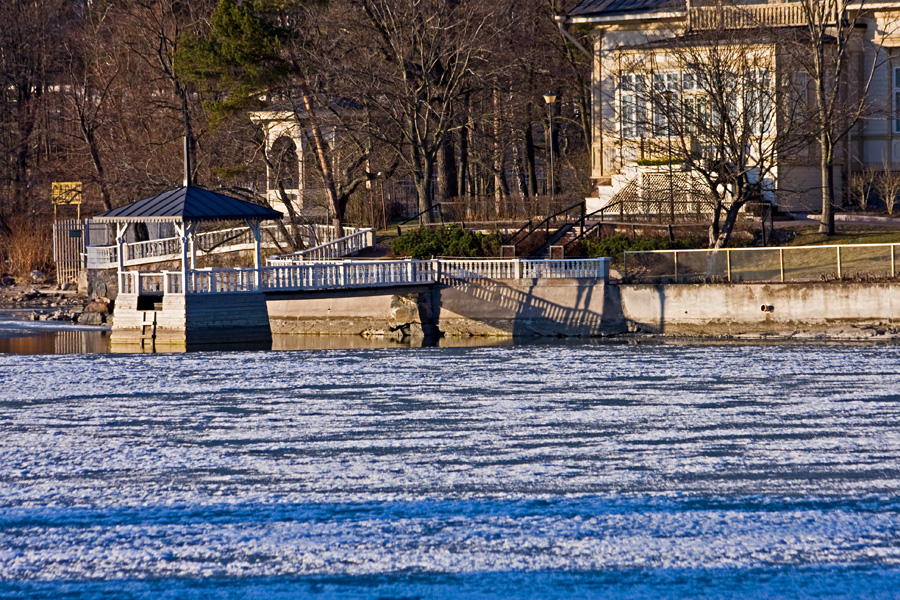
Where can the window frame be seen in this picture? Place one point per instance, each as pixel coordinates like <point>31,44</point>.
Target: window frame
<point>895,99</point>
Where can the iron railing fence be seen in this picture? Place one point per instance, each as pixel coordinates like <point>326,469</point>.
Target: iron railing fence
<point>776,264</point>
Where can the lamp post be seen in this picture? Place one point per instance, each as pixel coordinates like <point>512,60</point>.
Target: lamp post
<point>381,176</point>
<point>668,95</point>
<point>550,98</point>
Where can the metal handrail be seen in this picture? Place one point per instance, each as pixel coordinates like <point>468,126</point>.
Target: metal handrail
<point>419,214</point>
<point>781,267</point>
<point>546,222</point>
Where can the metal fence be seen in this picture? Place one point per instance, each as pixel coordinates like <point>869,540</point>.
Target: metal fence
<point>68,246</point>
<point>787,263</point>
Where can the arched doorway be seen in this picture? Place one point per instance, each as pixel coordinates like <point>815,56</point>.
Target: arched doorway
<point>285,169</point>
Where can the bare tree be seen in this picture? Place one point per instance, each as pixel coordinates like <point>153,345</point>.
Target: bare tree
<point>89,74</point>
<point>28,66</point>
<point>862,184</point>
<point>415,70</point>
<point>709,107</point>
<point>888,186</point>
<point>826,55</point>
<point>153,30</point>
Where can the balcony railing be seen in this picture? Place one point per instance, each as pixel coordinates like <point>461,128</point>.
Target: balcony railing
<point>788,14</point>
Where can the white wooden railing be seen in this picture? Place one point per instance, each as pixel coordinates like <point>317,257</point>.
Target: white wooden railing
<point>212,242</point>
<point>349,274</point>
<point>142,283</point>
<point>101,257</point>
<point>346,274</point>
<point>571,268</point>
<point>785,14</point>
<point>345,246</point>
<point>162,249</point>
<point>211,281</point>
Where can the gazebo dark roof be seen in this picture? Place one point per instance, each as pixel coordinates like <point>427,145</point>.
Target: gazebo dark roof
<point>188,204</point>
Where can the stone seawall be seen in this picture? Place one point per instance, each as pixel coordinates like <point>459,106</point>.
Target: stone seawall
<point>780,308</point>
<point>552,307</point>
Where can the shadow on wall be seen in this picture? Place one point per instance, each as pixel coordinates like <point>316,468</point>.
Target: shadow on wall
<point>553,308</point>
<point>652,301</point>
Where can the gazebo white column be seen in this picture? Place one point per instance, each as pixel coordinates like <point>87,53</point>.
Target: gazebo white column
<point>185,230</point>
<point>257,252</point>
<point>121,231</point>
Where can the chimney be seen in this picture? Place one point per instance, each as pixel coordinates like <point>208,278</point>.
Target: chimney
<point>187,162</point>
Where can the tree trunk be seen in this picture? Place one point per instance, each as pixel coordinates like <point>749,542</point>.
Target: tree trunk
<point>423,191</point>
<point>447,177</point>
<point>25,122</point>
<point>91,142</point>
<point>498,156</point>
<point>188,129</point>
<point>728,226</point>
<point>464,186</point>
<point>714,225</point>
<point>548,157</point>
<point>324,156</point>
<point>827,167</point>
<point>529,155</point>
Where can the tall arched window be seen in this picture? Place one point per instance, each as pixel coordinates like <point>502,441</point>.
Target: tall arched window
<point>285,165</point>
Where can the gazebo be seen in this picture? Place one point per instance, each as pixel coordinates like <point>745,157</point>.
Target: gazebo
<point>185,208</point>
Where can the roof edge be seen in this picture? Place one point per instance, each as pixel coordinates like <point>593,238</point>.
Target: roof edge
<point>627,17</point>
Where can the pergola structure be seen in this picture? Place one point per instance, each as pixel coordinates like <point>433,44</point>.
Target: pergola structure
<point>186,207</point>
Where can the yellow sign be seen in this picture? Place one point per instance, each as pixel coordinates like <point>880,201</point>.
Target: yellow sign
<point>65,192</point>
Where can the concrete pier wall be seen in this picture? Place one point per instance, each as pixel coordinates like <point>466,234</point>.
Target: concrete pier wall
<point>528,307</point>
<point>356,312</point>
<point>195,319</point>
<point>540,307</point>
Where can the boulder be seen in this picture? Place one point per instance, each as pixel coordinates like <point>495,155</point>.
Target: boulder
<point>90,318</point>
<point>97,307</point>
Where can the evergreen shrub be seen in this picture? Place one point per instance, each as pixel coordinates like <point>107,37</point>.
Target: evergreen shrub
<point>615,246</point>
<point>450,240</point>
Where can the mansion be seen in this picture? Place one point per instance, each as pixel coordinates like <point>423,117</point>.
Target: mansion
<point>652,85</point>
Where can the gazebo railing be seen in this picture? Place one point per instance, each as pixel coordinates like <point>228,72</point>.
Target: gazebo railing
<point>142,283</point>
<point>231,240</point>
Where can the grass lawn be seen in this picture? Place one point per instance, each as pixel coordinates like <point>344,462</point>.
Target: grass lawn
<point>808,235</point>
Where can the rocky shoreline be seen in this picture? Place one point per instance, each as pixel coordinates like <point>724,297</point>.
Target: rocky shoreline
<point>57,303</point>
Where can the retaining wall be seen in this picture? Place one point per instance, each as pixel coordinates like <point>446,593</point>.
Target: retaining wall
<point>551,307</point>
<point>508,308</point>
<point>697,309</point>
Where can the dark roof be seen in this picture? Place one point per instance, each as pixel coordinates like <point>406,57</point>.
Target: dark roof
<point>597,8</point>
<point>188,204</point>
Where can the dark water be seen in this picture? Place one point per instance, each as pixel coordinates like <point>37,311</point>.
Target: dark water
<point>527,471</point>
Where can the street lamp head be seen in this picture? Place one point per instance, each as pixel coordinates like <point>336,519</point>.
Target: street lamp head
<point>550,98</point>
<point>668,95</point>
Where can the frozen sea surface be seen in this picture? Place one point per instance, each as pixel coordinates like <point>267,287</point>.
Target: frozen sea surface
<point>553,471</point>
